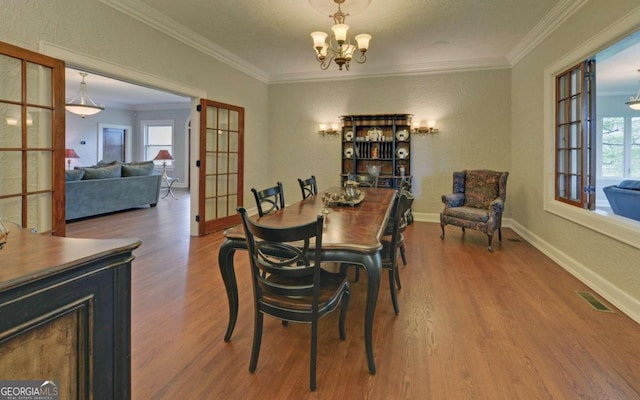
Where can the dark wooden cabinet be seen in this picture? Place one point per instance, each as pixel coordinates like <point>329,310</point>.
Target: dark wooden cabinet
<point>377,141</point>
<point>65,313</point>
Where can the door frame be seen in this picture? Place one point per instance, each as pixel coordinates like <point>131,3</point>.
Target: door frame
<point>128,141</point>
<point>77,60</point>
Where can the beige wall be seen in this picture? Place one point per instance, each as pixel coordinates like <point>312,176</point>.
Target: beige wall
<point>472,110</point>
<point>609,266</point>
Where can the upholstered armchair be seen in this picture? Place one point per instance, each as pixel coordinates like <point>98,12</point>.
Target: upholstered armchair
<point>477,202</point>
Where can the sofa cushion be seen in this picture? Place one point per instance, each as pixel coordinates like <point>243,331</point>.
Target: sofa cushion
<point>112,171</point>
<point>138,168</point>
<point>73,174</point>
<point>103,163</point>
<point>481,188</point>
<point>630,184</point>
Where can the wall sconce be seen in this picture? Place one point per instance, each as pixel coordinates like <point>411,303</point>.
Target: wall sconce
<point>329,129</point>
<point>419,128</point>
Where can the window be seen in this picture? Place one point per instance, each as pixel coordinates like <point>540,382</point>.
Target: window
<point>158,135</point>
<point>574,160</point>
<point>620,148</point>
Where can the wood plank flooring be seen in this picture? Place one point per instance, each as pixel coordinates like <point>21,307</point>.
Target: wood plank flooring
<point>472,325</point>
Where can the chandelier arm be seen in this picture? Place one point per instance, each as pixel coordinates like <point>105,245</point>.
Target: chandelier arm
<point>360,58</point>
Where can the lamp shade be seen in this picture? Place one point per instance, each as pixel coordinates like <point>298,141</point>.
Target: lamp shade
<point>163,155</point>
<point>70,153</point>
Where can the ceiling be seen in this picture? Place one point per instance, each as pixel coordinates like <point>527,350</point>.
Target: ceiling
<point>269,39</point>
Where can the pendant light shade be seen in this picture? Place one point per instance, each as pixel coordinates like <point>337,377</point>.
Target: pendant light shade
<point>82,104</point>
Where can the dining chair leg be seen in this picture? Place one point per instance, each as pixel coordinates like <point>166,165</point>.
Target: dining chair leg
<point>397,276</point>
<point>344,303</point>
<point>403,255</point>
<point>392,287</point>
<point>257,341</point>
<point>312,361</point>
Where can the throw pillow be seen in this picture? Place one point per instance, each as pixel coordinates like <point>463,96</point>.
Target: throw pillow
<point>138,168</point>
<point>103,163</point>
<point>629,184</point>
<point>481,188</point>
<point>112,171</point>
<point>73,175</point>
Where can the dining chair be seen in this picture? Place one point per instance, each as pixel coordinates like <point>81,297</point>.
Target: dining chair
<point>308,187</point>
<point>291,285</point>
<point>270,199</point>
<point>406,220</point>
<point>391,244</point>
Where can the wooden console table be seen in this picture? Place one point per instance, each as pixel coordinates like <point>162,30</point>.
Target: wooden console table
<point>65,313</point>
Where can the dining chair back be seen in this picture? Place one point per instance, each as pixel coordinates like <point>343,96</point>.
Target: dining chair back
<point>391,244</point>
<point>289,284</point>
<point>270,199</point>
<point>308,187</point>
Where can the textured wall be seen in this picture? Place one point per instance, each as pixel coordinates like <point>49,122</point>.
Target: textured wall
<point>472,110</point>
<point>608,262</point>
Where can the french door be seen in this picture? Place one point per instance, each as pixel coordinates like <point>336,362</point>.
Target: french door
<point>32,140</point>
<point>221,165</point>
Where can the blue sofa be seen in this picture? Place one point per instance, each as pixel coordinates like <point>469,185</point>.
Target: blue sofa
<point>99,190</point>
<point>624,198</point>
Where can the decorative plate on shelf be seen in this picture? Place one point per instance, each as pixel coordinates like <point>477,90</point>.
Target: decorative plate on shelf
<point>402,135</point>
<point>348,152</point>
<point>402,152</point>
<point>348,136</point>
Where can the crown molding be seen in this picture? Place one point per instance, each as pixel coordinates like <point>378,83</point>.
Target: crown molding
<point>395,70</point>
<point>560,13</point>
<point>162,23</point>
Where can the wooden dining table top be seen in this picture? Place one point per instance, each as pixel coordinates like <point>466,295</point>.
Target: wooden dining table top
<point>358,228</point>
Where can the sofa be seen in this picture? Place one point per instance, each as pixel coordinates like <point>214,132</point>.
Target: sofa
<point>624,198</point>
<point>106,188</point>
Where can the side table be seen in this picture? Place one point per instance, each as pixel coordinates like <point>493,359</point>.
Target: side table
<point>169,181</point>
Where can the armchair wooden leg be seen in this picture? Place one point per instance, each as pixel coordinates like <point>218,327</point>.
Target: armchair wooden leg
<point>442,227</point>
<point>490,239</point>
<point>500,234</point>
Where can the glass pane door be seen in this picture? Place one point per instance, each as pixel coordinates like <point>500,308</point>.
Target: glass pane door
<point>221,165</point>
<point>31,140</point>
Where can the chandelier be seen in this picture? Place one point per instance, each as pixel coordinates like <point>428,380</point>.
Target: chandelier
<point>634,102</point>
<point>340,48</point>
<point>82,103</point>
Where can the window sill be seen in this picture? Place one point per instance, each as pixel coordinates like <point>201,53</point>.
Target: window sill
<point>619,228</point>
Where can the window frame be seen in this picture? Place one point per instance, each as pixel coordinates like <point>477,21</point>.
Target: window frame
<point>622,229</point>
<point>144,127</point>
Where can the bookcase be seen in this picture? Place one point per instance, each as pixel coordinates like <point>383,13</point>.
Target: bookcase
<point>377,140</point>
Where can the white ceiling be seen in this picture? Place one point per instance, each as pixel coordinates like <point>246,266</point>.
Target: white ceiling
<point>269,39</point>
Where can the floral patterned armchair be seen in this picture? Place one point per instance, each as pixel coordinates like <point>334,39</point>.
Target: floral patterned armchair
<point>477,202</point>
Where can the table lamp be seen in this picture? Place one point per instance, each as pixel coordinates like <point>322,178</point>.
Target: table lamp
<point>164,155</point>
<point>69,154</point>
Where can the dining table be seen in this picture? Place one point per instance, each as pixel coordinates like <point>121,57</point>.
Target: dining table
<point>351,235</point>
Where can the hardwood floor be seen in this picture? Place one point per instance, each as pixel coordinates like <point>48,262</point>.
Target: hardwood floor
<point>472,324</point>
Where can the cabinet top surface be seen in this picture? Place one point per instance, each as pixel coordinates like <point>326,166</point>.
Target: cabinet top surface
<point>28,256</point>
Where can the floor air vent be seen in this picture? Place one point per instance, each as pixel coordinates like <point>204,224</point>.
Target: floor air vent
<point>594,302</point>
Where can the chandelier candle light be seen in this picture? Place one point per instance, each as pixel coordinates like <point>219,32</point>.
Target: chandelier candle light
<point>82,103</point>
<point>340,49</point>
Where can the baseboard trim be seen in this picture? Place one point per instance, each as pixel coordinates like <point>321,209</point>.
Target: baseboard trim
<point>627,304</point>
